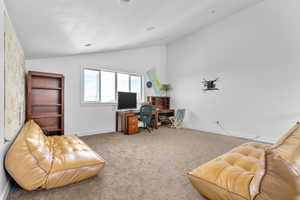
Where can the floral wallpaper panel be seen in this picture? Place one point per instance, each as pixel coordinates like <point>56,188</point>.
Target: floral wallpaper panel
<point>14,82</point>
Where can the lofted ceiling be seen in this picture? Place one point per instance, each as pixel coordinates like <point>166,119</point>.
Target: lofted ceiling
<point>51,28</point>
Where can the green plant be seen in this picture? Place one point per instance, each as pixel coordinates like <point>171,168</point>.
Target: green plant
<point>165,88</point>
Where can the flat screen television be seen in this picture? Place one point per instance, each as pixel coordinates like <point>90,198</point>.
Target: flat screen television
<point>126,100</point>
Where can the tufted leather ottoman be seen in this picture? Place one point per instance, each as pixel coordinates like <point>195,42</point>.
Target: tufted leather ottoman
<point>253,172</point>
<point>37,161</point>
<point>72,161</point>
<point>232,176</point>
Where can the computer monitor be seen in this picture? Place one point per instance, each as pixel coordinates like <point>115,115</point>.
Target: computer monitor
<point>127,100</point>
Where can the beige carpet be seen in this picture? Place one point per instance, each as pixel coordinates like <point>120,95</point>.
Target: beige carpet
<point>142,167</point>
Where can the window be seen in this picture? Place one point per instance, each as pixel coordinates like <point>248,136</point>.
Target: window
<point>91,85</point>
<point>108,93</point>
<point>101,86</point>
<point>136,86</point>
<point>123,82</point>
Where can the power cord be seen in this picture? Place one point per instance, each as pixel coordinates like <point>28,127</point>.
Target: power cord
<point>226,132</point>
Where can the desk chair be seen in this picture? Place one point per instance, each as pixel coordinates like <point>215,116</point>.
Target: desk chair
<point>178,120</point>
<point>146,117</point>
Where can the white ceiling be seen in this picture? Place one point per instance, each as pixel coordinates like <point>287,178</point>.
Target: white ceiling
<point>49,28</point>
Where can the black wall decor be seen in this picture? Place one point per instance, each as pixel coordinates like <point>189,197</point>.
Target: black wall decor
<point>210,85</point>
<point>149,84</point>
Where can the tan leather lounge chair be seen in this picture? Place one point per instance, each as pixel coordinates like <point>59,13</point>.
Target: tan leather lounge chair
<point>253,172</point>
<point>37,161</point>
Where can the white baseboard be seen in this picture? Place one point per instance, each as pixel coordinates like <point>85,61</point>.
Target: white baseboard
<point>209,130</point>
<point>230,133</point>
<point>267,140</point>
<point>88,133</point>
<point>5,192</point>
<point>240,135</point>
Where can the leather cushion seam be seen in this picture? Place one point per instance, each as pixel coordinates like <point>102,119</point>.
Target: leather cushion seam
<point>222,188</point>
<point>83,166</point>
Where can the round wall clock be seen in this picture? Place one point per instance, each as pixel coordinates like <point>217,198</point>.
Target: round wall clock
<point>149,84</point>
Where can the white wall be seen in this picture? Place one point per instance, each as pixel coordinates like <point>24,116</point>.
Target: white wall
<point>256,55</point>
<point>91,119</point>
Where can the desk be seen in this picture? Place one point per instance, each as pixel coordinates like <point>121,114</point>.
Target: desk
<point>168,112</point>
<point>124,114</point>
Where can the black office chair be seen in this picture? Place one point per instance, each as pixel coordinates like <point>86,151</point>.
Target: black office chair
<point>146,117</point>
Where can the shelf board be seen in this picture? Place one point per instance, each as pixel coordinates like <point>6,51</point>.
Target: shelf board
<point>46,116</point>
<point>47,88</point>
<point>50,129</point>
<point>46,105</point>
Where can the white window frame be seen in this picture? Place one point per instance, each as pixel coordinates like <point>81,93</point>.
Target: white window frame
<point>116,85</point>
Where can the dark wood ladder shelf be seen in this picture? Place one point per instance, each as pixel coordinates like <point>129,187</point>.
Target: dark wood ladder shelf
<point>45,101</point>
<point>49,129</point>
<point>46,88</point>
